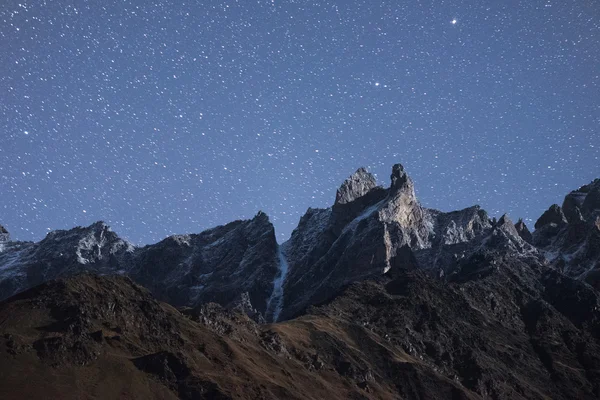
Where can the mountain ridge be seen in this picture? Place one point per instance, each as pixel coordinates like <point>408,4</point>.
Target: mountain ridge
<point>367,225</point>
<point>375,297</point>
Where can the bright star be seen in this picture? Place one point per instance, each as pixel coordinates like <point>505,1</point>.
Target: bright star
<point>377,83</point>
<point>454,21</point>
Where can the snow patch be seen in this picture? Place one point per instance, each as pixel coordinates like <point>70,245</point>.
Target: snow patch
<point>89,248</point>
<point>275,303</point>
<point>364,215</point>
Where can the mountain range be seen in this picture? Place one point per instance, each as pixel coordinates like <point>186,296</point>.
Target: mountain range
<point>374,297</point>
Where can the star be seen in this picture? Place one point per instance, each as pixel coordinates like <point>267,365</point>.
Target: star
<point>454,21</point>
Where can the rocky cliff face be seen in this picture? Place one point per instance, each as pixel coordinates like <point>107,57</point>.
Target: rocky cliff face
<point>369,232</point>
<point>217,265</point>
<point>569,235</point>
<point>220,264</point>
<point>95,248</point>
<point>4,235</point>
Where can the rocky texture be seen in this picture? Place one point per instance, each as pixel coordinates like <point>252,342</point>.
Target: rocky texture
<point>499,327</point>
<point>570,236</point>
<point>4,235</point>
<point>357,185</point>
<point>362,238</point>
<point>105,337</point>
<point>217,265</point>
<point>523,231</point>
<point>95,248</point>
<point>505,332</point>
<point>390,300</point>
<point>552,216</point>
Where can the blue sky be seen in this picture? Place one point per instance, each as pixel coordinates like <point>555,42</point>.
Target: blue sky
<point>164,117</point>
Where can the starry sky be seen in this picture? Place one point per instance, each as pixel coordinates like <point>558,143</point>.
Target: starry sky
<point>172,117</point>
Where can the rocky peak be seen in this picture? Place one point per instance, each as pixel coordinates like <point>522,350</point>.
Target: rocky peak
<point>583,204</point>
<point>569,236</point>
<point>505,236</point>
<point>355,186</point>
<point>591,204</point>
<point>4,235</point>
<point>403,211</point>
<point>400,179</point>
<point>243,305</point>
<point>523,231</point>
<point>553,215</point>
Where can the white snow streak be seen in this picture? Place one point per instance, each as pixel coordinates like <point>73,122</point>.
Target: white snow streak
<point>275,303</point>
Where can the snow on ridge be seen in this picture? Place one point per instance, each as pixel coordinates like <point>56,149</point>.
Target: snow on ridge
<point>275,303</point>
<point>92,245</point>
<point>364,215</point>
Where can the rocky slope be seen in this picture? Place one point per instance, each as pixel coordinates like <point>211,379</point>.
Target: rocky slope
<point>501,328</point>
<point>222,264</point>
<point>62,253</point>
<point>369,229</point>
<point>569,235</point>
<point>105,337</point>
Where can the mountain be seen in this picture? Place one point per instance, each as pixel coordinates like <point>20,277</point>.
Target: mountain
<point>95,248</point>
<point>569,235</point>
<point>222,264</point>
<point>374,297</point>
<point>370,229</point>
<point>219,265</point>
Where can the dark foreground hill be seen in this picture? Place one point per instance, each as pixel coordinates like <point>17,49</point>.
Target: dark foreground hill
<point>106,337</point>
<point>508,333</point>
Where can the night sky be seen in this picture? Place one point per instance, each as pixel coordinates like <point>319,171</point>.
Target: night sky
<point>163,117</point>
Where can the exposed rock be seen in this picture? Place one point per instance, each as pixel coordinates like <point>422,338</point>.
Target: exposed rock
<point>244,305</point>
<point>368,236</point>
<point>217,265</point>
<point>553,215</point>
<point>357,185</point>
<point>4,235</point>
<point>572,246</point>
<point>393,300</point>
<point>163,354</point>
<point>95,248</point>
<point>523,231</point>
<point>591,205</point>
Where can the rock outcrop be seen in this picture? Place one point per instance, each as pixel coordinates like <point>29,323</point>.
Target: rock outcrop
<point>4,235</point>
<point>95,248</point>
<point>217,265</point>
<point>369,234</point>
<point>570,236</point>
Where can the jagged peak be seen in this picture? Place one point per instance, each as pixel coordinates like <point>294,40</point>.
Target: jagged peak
<point>553,215</point>
<point>506,225</point>
<point>355,186</point>
<point>261,215</point>
<point>400,181</point>
<point>4,235</point>
<point>523,231</point>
